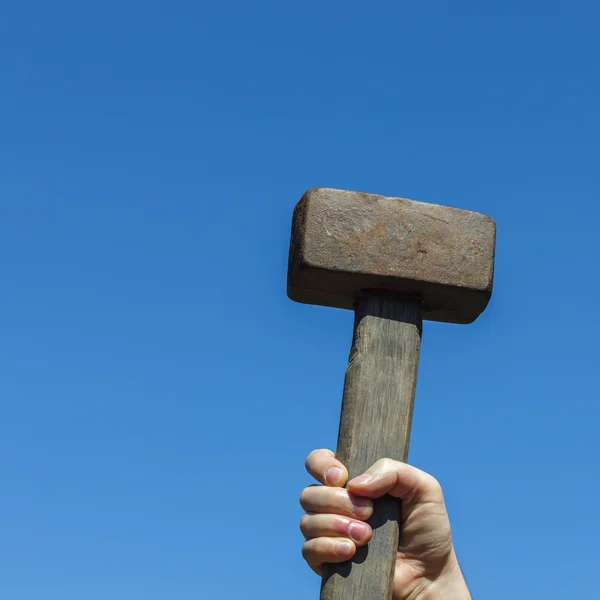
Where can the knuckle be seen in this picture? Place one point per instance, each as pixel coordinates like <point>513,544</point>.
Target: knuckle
<point>312,552</point>
<point>386,464</point>
<point>432,486</point>
<point>309,459</point>
<point>304,523</point>
<point>315,455</point>
<point>305,496</point>
<point>306,551</point>
<point>432,483</point>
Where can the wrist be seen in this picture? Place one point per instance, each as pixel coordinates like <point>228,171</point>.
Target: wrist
<point>450,585</point>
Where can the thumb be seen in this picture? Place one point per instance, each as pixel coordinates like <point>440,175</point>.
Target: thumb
<point>397,479</point>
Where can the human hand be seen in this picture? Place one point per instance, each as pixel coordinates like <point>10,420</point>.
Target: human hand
<point>334,524</point>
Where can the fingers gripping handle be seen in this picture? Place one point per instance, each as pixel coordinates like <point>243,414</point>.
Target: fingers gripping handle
<point>375,423</point>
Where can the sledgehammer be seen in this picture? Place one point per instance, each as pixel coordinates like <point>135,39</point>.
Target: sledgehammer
<point>394,262</point>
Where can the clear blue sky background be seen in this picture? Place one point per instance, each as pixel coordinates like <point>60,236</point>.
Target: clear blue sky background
<point>159,392</point>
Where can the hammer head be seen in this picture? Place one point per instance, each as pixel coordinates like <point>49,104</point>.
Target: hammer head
<point>345,242</point>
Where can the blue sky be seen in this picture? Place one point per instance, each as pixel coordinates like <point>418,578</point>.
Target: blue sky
<point>159,392</point>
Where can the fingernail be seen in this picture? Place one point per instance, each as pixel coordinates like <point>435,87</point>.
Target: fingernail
<point>362,507</point>
<point>343,548</point>
<point>362,479</point>
<point>333,475</point>
<point>357,531</point>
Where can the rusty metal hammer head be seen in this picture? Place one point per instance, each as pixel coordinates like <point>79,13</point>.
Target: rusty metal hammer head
<point>344,243</point>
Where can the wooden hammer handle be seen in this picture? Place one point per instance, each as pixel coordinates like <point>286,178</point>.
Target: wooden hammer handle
<point>375,423</point>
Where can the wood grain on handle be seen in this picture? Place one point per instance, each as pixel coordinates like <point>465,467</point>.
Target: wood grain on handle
<point>377,408</point>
